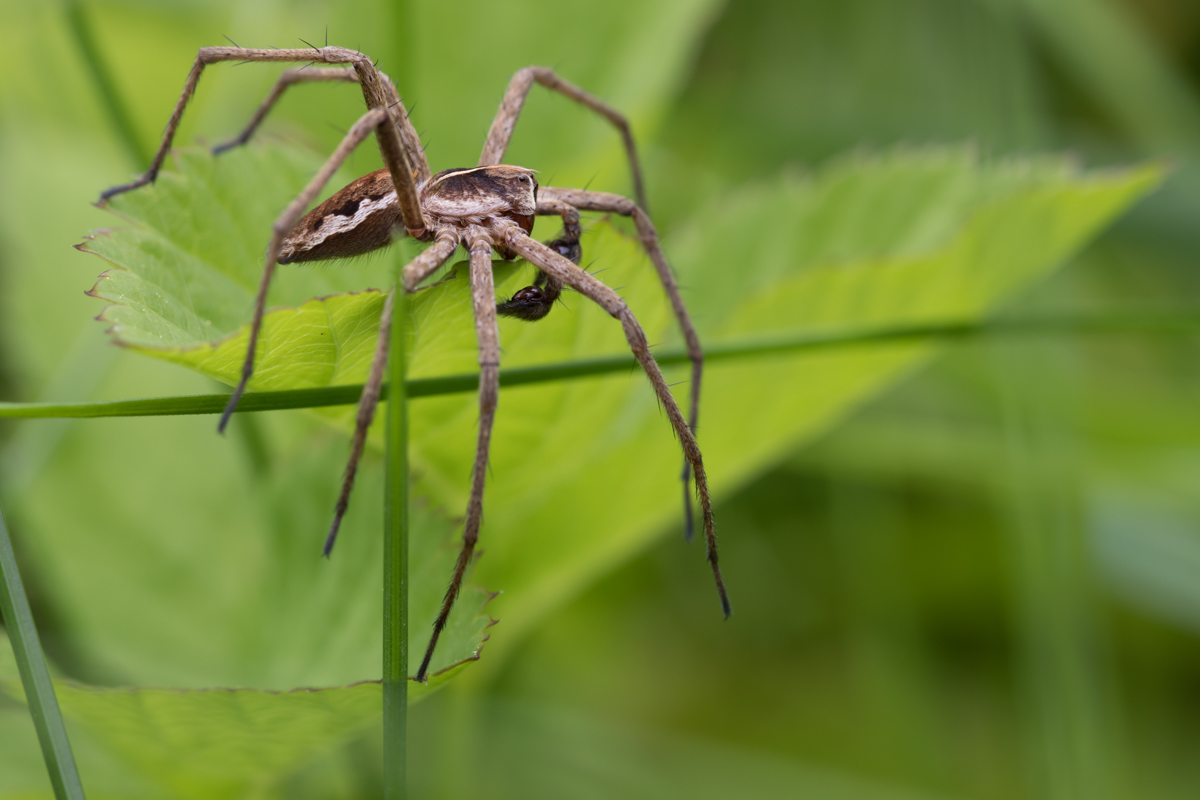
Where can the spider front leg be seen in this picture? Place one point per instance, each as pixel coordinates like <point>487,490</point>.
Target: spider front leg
<point>399,143</point>
<point>280,231</point>
<point>289,78</point>
<point>558,267</point>
<point>534,302</point>
<point>501,131</point>
<point>414,272</point>
<point>483,300</point>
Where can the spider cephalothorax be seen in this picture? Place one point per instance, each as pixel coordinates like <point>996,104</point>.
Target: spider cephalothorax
<point>365,215</point>
<point>487,208</point>
<point>465,196</point>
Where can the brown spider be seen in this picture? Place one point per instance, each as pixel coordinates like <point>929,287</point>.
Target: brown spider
<point>484,208</point>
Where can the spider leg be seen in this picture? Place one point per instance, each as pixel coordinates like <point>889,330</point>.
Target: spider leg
<point>417,269</point>
<point>398,143</point>
<point>558,267</point>
<point>429,261</point>
<point>616,204</point>
<point>514,99</point>
<point>534,302</point>
<point>373,119</point>
<point>483,298</point>
<point>289,78</point>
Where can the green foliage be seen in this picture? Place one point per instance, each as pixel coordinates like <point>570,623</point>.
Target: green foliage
<point>870,242</point>
<point>163,556</point>
<point>908,238</point>
<point>208,742</point>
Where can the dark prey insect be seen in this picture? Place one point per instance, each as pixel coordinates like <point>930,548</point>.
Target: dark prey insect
<point>489,207</point>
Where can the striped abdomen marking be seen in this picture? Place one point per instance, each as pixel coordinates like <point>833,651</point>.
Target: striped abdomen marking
<point>358,219</point>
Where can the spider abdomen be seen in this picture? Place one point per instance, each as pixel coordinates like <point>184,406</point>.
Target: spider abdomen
<point>356,220</point>
<point>362,217</point>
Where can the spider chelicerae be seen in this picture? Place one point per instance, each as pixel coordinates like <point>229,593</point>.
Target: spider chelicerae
<point>486,208</point>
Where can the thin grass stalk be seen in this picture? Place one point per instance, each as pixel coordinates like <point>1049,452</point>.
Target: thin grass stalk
<point>395,565</point>
<point>118,113</point>
<point>1172,323</point>
<point>31,662</point>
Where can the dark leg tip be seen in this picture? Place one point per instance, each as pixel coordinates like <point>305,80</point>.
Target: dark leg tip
<point>125,187</point>
<point>333,530</point>
<point>725,606</point>
<point>225,146</point>
<point>232,405</point>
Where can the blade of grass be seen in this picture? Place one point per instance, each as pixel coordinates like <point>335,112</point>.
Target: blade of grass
<point>1102,45</point>
<point>1169,323</point>
<point>31,661</point>
<point>395,565</point>
<point>118,114</point>
<point>1070,728</point>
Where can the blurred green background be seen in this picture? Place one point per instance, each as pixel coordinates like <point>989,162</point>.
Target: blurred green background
<point>982,582</point>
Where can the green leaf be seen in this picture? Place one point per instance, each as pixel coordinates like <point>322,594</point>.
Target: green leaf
<point>241,595</point>
<point>203,742</point>
<point>215,742</point>
<point>871,242</point>
<point>308,619</point>
<point>905,238</point>
<point>185,295</point>
<point>190,629</point>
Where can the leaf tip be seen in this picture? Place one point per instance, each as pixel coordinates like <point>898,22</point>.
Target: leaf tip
<point>95,290</point>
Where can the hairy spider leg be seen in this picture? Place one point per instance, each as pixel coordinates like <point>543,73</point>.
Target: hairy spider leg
<point>487,331</point>
<point>372,120</point>
<point>399,144</point>
<point>616,204</point>
<point>558,267</point>
<point>414,272</point>
<point>501,131</point>
<point>498,138</point>
<point>287,79</point>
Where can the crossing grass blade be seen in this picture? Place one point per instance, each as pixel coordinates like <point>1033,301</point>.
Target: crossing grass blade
<point>395,566</point>
<point>31,661</point>
<point>1150,323</point>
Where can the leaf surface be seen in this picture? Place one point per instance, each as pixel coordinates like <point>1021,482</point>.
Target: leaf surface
<point>869,242</point>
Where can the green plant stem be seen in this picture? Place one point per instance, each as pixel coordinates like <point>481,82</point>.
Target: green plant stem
<point>395,565</point>
<point>31,661</point>
<point>1170,323</point>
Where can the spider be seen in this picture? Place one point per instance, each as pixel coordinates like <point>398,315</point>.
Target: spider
<point>489,207</point>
